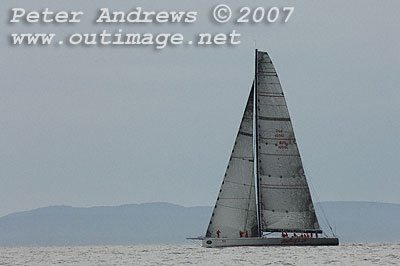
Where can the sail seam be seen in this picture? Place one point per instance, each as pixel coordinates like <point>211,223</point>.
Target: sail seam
<point>270,92</point>
<point>265,104</point>
<point>245,134</point>
<point>241,184</point>
<point>276,138</point>
<point>274,118</point>
<point>286,188</point>
<point>273,96</point>
<point>243,209</point>
<point>233,198</point>
<point>271,187</point>
<point>277,154</point>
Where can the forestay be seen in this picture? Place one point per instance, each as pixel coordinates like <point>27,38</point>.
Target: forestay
<point>235,209</point>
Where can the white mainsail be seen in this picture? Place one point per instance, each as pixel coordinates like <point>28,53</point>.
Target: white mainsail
<point>235,209</point>
<point>284,200</point>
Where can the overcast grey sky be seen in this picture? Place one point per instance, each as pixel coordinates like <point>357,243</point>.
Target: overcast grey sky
<point>107,125</point>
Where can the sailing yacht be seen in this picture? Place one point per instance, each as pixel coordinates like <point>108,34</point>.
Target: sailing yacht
<point>264,198</point>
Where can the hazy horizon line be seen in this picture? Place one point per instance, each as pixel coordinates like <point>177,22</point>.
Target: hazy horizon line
<point>176,204</point>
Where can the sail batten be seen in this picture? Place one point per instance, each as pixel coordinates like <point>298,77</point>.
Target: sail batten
<point>286,203</point>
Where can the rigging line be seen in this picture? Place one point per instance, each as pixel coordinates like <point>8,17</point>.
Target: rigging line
<point>325,217</point>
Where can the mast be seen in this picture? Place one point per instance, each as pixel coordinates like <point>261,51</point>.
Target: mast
<point>255,135</point>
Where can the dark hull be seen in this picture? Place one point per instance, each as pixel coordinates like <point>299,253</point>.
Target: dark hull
<point>263,241</point>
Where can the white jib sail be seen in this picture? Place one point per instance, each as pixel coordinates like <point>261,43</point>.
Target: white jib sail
<point>235,209</point>
<point>285,198</point>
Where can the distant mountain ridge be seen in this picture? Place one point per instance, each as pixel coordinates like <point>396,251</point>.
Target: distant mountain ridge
<point>361,221</point>
<point>164,223</point>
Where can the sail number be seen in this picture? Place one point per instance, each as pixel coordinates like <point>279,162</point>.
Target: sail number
<point>279,133</point>
<point>282,145</point>
<point>260,14</point>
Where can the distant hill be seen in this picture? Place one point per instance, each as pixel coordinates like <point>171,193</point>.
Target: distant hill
<point>358,221</point>
<point>151,223</point>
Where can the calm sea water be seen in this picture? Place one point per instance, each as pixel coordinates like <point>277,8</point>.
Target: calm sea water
<point>346,254</point>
